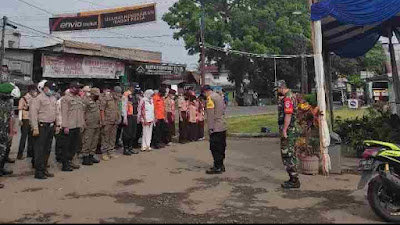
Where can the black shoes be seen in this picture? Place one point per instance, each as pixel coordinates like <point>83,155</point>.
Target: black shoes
<point>67,167</point>
<point>40,176</point>
<point>48,174</point>
<point>10,160</point>
<point>20,156</point>
<point>87,161</point>
<point>291,184</point>
<point>5,172</point>
<point>134,152</point>
<point>127,152</point>
<point>216,170</point>
<point>93,159</point>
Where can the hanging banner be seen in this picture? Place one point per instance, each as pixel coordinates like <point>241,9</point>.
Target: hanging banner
<point>81,67</point>
<point>104,18</point>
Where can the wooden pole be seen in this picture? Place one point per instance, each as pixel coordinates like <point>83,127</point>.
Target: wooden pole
<point>320,80</point>
<point>395,73</point>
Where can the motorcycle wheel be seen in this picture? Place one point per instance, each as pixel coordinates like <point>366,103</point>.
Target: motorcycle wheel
<point>379,200</point>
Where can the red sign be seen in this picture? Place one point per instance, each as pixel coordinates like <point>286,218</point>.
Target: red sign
<point>104,18</point>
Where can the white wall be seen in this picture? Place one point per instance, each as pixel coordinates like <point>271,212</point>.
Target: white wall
<point>12,38</point>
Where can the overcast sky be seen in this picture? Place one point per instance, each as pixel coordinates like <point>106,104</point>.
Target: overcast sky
<point>173,51</point>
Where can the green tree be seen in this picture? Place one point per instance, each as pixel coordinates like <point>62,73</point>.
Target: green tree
<point>255,26</point>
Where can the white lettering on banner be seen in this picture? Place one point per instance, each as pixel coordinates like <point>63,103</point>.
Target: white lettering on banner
<point>82,67</point>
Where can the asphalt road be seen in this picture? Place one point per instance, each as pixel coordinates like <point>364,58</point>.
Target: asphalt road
<point>170,186</point>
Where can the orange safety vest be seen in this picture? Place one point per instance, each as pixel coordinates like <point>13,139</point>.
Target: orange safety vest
<point>159,107</point>
<point>130,105</point>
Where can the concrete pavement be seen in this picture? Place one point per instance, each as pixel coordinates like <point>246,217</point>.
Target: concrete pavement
<point>170,186</point>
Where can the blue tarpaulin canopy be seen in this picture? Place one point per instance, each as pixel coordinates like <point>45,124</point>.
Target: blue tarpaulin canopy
<point>351,28</point>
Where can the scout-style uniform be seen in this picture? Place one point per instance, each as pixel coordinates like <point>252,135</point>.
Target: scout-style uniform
<point>170,111</point>
<point>26,130</point>
<point>183,105</point>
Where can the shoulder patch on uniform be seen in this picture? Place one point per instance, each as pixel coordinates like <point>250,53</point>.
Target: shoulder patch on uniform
<point>210,103</point>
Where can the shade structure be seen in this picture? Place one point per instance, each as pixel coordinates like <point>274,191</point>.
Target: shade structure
<point>351,28</point>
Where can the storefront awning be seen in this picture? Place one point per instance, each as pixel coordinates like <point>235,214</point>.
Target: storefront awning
<point>352,27</point>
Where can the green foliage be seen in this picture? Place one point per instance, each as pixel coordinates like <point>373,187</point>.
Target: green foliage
<point>311,99</point>
<point>356,81</point>
<point>378,124</point>
<point>255,26</point>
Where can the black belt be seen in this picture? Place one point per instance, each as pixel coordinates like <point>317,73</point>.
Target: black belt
<point>49,124</point>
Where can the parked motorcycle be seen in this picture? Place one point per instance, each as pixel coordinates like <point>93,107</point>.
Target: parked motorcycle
<point>380,168</point>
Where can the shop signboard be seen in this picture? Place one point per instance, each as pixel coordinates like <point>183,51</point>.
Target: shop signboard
<point>99,19</point>
<point>81,67</point>
<point>160,69</point>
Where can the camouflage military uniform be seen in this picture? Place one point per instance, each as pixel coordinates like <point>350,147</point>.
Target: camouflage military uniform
<point>5,117</point>
<point>287,105</point>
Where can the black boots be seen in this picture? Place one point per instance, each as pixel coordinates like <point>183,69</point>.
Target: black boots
<point>291,183</point>
<point>127,152</point>
<point>40,175</point>
<point>66,167</point>
<point>87,161</point>
<point>216,170</point>
<point>93,159</point>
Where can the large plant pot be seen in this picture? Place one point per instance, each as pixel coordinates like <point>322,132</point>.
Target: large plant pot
<point>309,165</point>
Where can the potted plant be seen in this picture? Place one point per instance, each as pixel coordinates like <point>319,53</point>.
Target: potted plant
<point>307,145</point>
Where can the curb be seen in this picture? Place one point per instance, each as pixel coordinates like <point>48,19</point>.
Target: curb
<point>253,135</point>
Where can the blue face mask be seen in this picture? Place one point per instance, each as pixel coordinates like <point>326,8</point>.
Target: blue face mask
<point>50,93</point>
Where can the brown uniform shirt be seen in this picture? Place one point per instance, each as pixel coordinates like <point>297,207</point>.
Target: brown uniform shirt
<point>109,104</point>
<point>92,113</point>
<point>23,105</point>
<point>72,112</point>
<point>43,110</point>
<point>216,112</point>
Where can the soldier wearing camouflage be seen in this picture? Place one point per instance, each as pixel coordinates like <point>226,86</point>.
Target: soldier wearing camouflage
<point>286,121</point>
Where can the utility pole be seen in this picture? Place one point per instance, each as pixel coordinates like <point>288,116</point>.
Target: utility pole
<point>3,46</point>
<point>202,43</point>
<point>3,49</point>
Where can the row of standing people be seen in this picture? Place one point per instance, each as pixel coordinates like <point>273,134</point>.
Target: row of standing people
<point>83,119</point>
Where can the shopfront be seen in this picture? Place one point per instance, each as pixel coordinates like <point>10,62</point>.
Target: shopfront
<point>153,75</point>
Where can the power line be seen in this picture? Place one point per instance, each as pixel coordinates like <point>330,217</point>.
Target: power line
<point>111,37</point>
<point>230,51</point>
<point>34,6</point>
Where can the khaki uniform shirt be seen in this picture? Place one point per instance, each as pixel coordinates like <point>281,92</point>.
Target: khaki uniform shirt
<point>72,112</point>
<point>92,113</point>
<point>109,104</point>
<point>23,105</point>
<point>216,113</point>
<point>43,110</point>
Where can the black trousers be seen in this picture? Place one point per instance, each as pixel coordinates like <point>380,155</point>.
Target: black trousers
<point>183,133</point>
<point>217,147</point>
<point>61,145</point>
<point>139,132</point>
<point>192,131</point>
<point>159,133</point>
<point>42,146</point>
<point>26,133</point>
<point>73,145</point>
<point>6,153</point>
<point>119,132</point>
<point>129,132</point>
<point>201,129</point>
